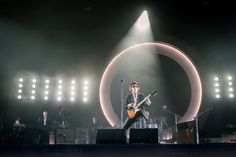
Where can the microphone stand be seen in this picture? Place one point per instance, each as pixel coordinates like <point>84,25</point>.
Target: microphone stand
<point>196,120</point>
<point>122,104</point>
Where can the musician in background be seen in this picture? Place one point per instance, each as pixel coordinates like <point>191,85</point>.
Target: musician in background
<point>45,124</point>
<point>63,117</point>
<point>133,99</point>
<point>44,120</point>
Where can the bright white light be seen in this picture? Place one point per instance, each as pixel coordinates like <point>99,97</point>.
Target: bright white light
<point>85,87</point>
<point>85,82</point>
<point>45,98</point>
<point>32,97</point>
<point>21,80</point>
<point>231,95</point>
<point>72,98</point>
<point>231,89</point>
<point>46,92</point>
<point>47,81</point>
<point>59,92</point>
<point>143,22</point>
<point>19,91</point>
<point>33,91</point>
<point>217,96</point>
<point>230,83</point>
<point>34,80</point>
<point>217,90</point>
<point>229,77</point>
<point>33,86</point>
<point>19,97</point>
<point>59,98</point>
<point>72,93</point>
<point>85,99</point>
<point>73,82</point>
<point>20,85</point>
<point>60,81</point>
<point>47,86</point>
<point>72,87</point>
<point>85,93</point>
<point>216,79</point>
<point>217,84</point>
<point>60,87</point>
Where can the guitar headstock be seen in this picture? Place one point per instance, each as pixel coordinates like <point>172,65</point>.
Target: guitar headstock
<point>154,92</point>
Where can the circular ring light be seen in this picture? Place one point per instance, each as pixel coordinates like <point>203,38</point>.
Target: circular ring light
<point>164,49</point>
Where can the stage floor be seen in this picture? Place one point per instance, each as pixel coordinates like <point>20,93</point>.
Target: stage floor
<point>119,150</point>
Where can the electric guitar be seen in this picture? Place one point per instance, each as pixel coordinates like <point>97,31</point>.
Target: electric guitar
<point>132,110</point>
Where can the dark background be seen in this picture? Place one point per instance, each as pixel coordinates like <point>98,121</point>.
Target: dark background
<point>78,38</point>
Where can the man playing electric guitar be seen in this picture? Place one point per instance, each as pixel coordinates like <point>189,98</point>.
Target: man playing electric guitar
<point>135,103</point>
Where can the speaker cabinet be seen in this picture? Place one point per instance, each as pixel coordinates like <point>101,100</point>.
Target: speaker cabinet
<point>110,136</point>
<point>65,136</point>
<point>82,136</point>
<point>147,135</point>
<point>187,133</point>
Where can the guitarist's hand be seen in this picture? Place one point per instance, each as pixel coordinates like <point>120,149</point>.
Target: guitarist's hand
<point>148,101</point>
<point>130,105</point>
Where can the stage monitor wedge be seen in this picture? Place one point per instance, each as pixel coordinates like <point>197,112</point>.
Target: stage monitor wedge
<point>110,136</point>
<point>146,135</point>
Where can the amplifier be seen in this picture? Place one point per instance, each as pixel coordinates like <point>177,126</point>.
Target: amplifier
<point>65,136</point>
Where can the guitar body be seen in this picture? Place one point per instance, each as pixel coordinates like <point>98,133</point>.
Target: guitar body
<point>132,112</point>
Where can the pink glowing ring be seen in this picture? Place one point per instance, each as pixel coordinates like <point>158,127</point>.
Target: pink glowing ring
<point>164,49</point>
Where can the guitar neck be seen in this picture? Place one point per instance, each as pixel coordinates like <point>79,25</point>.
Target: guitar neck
<point>141,102</point>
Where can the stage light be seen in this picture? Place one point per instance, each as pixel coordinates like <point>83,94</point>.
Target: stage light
<point>230,83</point>
<point>45,98</point>
<point>85,88</point>
<point>72,98</point>
<point>32,97</point>
<point>216,78</point>
<point>72,93</point>
<point>231,95</point>
<point>231,89</point>
<point>33,86</point>
<point>34,80</point>
<point>73,82</point>
<point>85,93</point>
<point>59,92</point>
<point>33,91</point>
<point>19,97</point>
<point>59,98</point>
<point>20,85</point>
<point>143,22</point>
<point>46,92</point>
<point>60,81</point>
<point>217,96</point>
<point>19,91</point>
<point>72,87</point>
<point>47,86</point>
<point>217,90</point>
<point>60,87</point>
<point>229,77</point>
<point>85,82</point>
<point>47,81</point>
<point>85,99</point>
<point>217,84</point>
<point>21,80</point>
